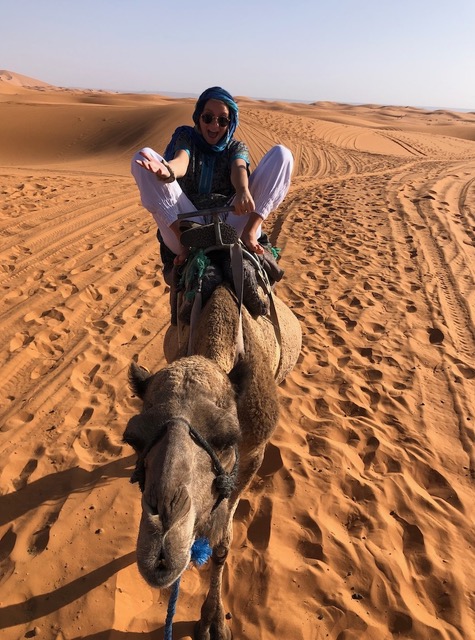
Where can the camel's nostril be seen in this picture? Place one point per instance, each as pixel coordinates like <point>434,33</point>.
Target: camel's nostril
<point>161,563</point>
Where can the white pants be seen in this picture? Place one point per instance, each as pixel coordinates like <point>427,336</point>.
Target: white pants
<point>268,185</point>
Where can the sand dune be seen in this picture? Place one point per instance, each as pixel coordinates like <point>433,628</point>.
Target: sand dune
<point>360,523</point>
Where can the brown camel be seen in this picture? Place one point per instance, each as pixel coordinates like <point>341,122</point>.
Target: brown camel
<point>200,439</point>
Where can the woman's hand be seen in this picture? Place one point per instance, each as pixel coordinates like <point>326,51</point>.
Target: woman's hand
<point>182,256</point>
<point>152,164</point>
<point>243,202</point>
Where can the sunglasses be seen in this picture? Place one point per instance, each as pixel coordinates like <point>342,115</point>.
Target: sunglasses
<point>222,121</point>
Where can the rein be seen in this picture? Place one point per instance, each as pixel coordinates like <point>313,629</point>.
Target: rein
<point>225,482</point>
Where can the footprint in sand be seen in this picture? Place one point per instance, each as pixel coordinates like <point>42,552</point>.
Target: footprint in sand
<point>467,371</point>
<point>15,296</point>
<point>311,544</point>
<point>319,448</point>
<point>437,485</point>
<point>27,470</point>
<point>54,314</point>
<point>337,340</point>
<point>374,332</point>
<point>100,325</point>
<point>435,335</point>
<point>90,293</point>
<point>414,546</point>
<point>243,510</point>
<point>352,410</point>
<point>107,290</point>
<point>20,340</point>
<point>399,622</point>
<point>343,362</point>
<point>373,375</point>
<point>98,441</point>
<point>86,416</point>
<point>40,538</point>
<point>18,420</point>
<point>358,491</point>
<point>369,452</point>
<point>110,257</point>
<point>272,461</point>
<point>357,524</point>
<point>259,530</point>
<point>374,397</point>
<point>349,324</point>
<point>7,544</point>
<point>42,368</point>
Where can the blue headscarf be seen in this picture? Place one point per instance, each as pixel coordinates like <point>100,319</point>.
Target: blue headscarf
<point>213,93</point>
<point>217,93</point>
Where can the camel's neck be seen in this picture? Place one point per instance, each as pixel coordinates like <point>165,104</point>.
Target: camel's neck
<point>217,330</point>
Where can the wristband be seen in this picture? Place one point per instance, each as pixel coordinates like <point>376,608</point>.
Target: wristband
<point>171,177</point>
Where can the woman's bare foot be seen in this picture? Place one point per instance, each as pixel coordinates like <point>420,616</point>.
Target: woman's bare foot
<point>249,233</point>
<point>250,240</point>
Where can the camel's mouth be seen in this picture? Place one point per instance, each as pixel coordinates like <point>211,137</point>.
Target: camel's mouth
<point>161,559</point>
<point>160,573</point>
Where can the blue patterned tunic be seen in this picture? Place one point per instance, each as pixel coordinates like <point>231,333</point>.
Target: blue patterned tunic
<point>207,182</point>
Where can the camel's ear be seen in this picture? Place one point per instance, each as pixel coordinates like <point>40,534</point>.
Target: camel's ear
<point>139,379</point>
<point>133,433</point>
<point>240,376</point>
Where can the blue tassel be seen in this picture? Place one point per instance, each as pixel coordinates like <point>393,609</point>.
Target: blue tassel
<point>200,551</point>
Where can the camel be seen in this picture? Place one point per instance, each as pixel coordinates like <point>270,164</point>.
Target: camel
<point>201,437</point>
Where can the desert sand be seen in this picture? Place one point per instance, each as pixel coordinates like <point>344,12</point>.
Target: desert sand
<point>360,523</point>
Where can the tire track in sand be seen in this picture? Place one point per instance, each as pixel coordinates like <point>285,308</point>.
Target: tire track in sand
<point>443,261</point>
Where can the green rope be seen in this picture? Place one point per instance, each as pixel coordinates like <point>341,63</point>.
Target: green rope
<point>275,251</point>
<point>193,272</point>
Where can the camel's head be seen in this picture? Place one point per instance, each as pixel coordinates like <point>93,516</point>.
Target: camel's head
<point>186,442</point>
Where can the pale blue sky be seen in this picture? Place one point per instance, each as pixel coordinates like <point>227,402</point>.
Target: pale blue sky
<point>408,52</point>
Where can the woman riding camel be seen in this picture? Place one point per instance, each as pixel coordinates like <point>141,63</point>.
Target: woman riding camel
<point>204,167</point>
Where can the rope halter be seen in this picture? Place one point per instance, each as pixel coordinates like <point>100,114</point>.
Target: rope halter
<point>225,482</point>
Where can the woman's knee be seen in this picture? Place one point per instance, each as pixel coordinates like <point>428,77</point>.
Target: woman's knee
<point>282,154</point>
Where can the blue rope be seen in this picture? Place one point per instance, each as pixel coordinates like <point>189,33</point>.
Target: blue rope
<point>200,553</point>
<point>171,610</point>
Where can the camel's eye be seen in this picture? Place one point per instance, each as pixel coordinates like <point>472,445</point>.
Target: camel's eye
<point>150,509</point>
<point>223,432</point>
<point>222,441</point>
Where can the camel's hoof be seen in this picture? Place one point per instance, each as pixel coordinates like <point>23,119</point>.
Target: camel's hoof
<point>197,635</point>
<point>212,634</point>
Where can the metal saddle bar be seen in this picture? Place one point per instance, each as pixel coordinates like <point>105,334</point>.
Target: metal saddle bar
<point>215,213</point>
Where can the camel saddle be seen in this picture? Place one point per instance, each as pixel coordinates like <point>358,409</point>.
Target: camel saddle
<point>216,256</point>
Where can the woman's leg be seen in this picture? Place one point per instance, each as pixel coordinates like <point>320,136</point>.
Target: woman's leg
<point>269,184</point>
<point>164,200</point>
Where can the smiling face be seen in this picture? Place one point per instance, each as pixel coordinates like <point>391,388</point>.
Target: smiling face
<point>213,132</point>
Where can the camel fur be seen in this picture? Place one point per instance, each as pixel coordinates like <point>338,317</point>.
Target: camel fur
<point>235,408</point>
